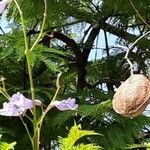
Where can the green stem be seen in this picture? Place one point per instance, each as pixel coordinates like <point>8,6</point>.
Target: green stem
<point>5,94</point>
<point>28,57</point>
<point>35,140</point>
<point>26,130</point>
<point>50,106</point>
<point>23,27</point>
<point>27,52</point>
<point>42,27</point>
<point>40,122</point>
<point>37,126</point>
<point>3,83</point>
<point>35,143</point>
<point>36,136</point>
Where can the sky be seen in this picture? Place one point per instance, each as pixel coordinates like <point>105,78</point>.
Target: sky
<point>97,51</point>
<point>4,24</point>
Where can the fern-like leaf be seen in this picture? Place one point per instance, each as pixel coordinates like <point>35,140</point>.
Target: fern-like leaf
<point>7,146</point>
<point>75,134</point>
<point>86,147</point>
<point>143,145</point>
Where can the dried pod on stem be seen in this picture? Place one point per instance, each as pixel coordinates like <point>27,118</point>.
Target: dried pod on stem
<point>132,97</point>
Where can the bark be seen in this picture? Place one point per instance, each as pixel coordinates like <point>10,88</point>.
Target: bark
<point>81,55</point>
<point>69,42</point>
<point>81,83</point>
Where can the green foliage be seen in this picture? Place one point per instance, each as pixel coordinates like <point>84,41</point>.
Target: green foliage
<point>75,134</point>
<point>142,145</point>
<point>4,130</point>
<point>87,147</point>
<point>6,146</point>
<point>73,18</point>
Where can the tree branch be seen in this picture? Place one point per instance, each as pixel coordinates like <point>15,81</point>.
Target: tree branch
<point>60,36</point>
<point>81,57</point>
<point>143,43</point>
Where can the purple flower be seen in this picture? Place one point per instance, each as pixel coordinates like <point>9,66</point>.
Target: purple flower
<point>22,102</point>
<point>17,105</point>
<point>9,110</point>
<point>68,104</point>
<point>3,4</point>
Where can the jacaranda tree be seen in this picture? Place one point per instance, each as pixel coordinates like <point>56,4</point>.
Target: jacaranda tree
<point>53,94</point>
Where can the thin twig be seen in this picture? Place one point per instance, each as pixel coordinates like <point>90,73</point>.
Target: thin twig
<point>23,26</point>
<point>26,129</point>
<point>133,6</point>
<point>42,26</point>
<point>128,50</point>
<point>54,98</point>
<point>5,94</point>
<point>139,39</point>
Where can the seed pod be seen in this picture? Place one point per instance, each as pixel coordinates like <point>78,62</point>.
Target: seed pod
<point>132,97</point>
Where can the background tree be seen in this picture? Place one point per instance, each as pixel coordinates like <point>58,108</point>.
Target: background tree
<point>73,29</point>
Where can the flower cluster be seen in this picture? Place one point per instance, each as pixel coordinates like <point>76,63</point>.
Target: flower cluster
<point>17,105</point>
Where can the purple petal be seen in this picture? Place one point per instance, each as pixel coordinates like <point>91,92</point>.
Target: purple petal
<point>10,110</point>
<point>3,4</point>
<point>68,104</point>
<point>17,105</point>
<point>20,101</point>
<point>15,97</point>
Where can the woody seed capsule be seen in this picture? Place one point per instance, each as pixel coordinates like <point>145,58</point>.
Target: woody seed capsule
<point>132,97</point>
